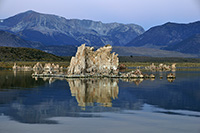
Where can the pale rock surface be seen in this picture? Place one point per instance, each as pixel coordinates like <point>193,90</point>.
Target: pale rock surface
<point>173,66</point>
<point>88,61</point>
<point>38,66</point>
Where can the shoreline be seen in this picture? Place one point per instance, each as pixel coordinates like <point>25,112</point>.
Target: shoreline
<point>144,76</point>
<point>65,64</point>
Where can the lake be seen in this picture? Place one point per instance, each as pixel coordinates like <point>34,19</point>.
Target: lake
<point>48,105</point>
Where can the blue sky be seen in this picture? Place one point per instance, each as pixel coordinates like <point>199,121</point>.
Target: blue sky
<point>146,13</point>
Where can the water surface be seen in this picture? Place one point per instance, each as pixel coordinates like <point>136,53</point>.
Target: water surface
<point>99,105</point>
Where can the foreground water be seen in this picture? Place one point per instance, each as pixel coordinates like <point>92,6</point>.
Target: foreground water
<point>99,105</point>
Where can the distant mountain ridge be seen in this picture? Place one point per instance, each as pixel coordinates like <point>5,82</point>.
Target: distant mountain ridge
<point>190,45</point>
<point>166,35</point>
<point>10,40</point>
<point>61,36</point>
<point>55,30</point>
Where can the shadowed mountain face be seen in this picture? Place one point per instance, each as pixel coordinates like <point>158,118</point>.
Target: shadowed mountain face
<point>168,34</point>
<point>55,30</point>
<point>11,40</point>
<point>190,45</point>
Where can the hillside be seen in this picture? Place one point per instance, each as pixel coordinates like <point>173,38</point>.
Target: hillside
<point>121,51</point>
<point>26,54</point>
<point>151,52</point>
<point>11,40</point>
<point>61,36</point>
<point>190,45</point>
<point>147,59</point>
<point>56,30</point>
<point>69,50</point>
<point>166,35</point>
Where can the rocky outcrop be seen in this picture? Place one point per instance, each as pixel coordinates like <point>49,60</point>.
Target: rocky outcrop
<point>90,62</point>
<point>173,67</point>
<point>136,74</point>
<point>38,66</point>
<point>133,74</point>
<point>49,67</point>
<point>21,68</point>
<point>161,67</point>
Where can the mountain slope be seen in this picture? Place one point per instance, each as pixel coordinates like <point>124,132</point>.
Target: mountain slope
<point>121,51</point>
<point>26,54</point>
<point>190,45</point>
<point>151,52</point>
<point>55,30</point>
<point>11,40</point>
<point>165,35</point>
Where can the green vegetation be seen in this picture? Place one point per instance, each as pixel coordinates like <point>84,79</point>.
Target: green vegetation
<point>142,61</point>
<point>142,64</point>
<point>28,57</point>
<point>158,59</point>
<point>26,54</point>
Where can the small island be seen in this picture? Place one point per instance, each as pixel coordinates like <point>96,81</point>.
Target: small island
<point>89,63</point>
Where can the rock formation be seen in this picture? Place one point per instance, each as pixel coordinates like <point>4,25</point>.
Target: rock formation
<point>133,74</point>
<point>161,67</point>
<point>38,66</point>
<point>21,68</point>
<point>173,67</point>
<point>90,62</point>
<point>15,66</point>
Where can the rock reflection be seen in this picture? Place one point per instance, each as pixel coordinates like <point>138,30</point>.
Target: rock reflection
<point>90,91</point>
<point>136,81</point>
<point>170,79</point>
<point>98,91</point>
<point>49,79</point>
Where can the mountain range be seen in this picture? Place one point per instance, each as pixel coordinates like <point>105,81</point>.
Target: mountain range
<point>56,30</point>
<point>61,36</point>
<point>190,45</point>
<point>171,36</point>
<point>12,40</point>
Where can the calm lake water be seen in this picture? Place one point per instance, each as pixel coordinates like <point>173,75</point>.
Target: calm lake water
<point>99,105</point>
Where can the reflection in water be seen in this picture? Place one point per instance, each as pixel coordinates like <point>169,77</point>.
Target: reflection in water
<point>136,81</point>
<point>96,90</point>
<point>44,101</point>
<point>49,79</point>
<point>90,91</point>
<point>171,79</point>
<point>17,79</point>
